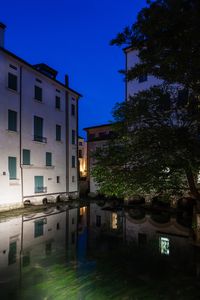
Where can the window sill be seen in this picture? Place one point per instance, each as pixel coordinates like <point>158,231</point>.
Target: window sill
<point>38,101</point>
<point>59,141</point>
<point>14,181</point>
<point>12,131</point>
<point>24,166</point>
<point>50,167</point>
<point>13,91</point>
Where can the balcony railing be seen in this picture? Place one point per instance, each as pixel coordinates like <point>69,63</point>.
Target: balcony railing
<point>40,139</point>
<point>40,189</point>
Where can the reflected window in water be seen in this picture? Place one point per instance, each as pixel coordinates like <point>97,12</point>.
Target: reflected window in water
<point>48,248</point>
<point>142,239</point>
<point>39,228</point>
<point>98,221</point>
<point>12,253</point>
<point>114,220</point>
<point>26,260</point>
<point>164,245</point>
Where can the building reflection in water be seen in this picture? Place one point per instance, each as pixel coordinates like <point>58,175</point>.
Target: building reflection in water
<point>59,236</point>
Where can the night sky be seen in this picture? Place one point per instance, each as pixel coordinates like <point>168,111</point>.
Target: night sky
<point>73,36</point>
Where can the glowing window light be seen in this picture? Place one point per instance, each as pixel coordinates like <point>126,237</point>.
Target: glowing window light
<point>114,221</point>
<point>82,210</point>
<point>164,245</point>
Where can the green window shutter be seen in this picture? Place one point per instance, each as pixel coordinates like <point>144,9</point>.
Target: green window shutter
<point>12,81</point>
<point>73,161</point>
<point>58,132</point>
<point>12,120</point>
<point>38,93</point>
<point>39,184</point>
<point>73,137</point>
<point>39,228</point>
<point>57,102</point>
<point>48,159</point>
<point>38,129</point>
<point>26,157</point>
<point>12,167</point>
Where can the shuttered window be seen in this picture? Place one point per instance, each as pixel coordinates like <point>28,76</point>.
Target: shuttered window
<point>73,137</point>
<point>38,93</point>
<point>26,157</point>
<point>12,120</point>
<point>57,102</point>
<point>73,161</point>
<point>38,129</point>
<point>12,81</point>
<point>58,132</point>
<point>48,159</point>
<point>12,167</point>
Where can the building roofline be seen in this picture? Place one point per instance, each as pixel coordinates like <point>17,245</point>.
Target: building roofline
<point>98,126</point>
<point>37,71</point>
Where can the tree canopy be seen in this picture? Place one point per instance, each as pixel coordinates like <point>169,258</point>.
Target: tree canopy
<point>156,148</point>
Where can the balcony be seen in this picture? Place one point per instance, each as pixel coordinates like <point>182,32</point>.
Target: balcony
<point>40,139</point>
<point>40,189</point>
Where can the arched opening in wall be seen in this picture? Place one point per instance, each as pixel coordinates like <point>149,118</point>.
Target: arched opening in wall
<point>27,202</point>
<point>44,201</point>
<point>58,199</point>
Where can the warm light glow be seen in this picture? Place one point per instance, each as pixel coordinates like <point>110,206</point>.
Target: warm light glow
<point>114,220</point>
<point>83,210</point>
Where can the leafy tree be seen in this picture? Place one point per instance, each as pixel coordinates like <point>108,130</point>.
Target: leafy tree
<point>157,144</point>
<point>156,149</point>
<point>166,35</point>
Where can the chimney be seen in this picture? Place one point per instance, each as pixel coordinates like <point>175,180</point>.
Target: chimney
<point>67,80</point>
<point>2,33</point>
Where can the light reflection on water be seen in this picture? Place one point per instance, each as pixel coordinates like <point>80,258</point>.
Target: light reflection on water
<point>97,252</point>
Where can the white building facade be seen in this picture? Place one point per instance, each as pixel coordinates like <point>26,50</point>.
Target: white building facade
<point>38,133</point>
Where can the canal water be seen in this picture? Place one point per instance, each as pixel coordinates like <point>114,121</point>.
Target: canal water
<point>98,252</point>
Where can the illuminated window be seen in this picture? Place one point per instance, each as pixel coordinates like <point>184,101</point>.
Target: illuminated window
<point>114,221</point>
<point>164,245</point>
<point>82,211</point>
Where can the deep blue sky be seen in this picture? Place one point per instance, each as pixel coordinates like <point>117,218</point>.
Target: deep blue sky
<point>73,37</point>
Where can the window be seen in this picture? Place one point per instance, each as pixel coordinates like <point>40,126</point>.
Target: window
<point>98,221</point>
<point>26,157</point>
<point>57,104</point>
<point>73,179</point>
<point>12,255</point>
<point>73,161</point>
<point>73,237</point>
<point>73,110</point>
<point>58,132</point>
<point>12,167</point>
<point>39,228</point>
<point>48,248</point>
<point>73,137</point>
<point>80,144</point>
<point>13,67</point>
<point>48,159</point>
<point>58,226</point>
<point>39,184</point>
<point>12,81</point>
<point>38,130</point>
<point>142,78</point>
<point>164,245</point>
<point>91,136</point>
<point>12,120</point>
<point>57,179</point>
<point>114,220</point>
<point>80,155</point>
<point>38,93</point>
